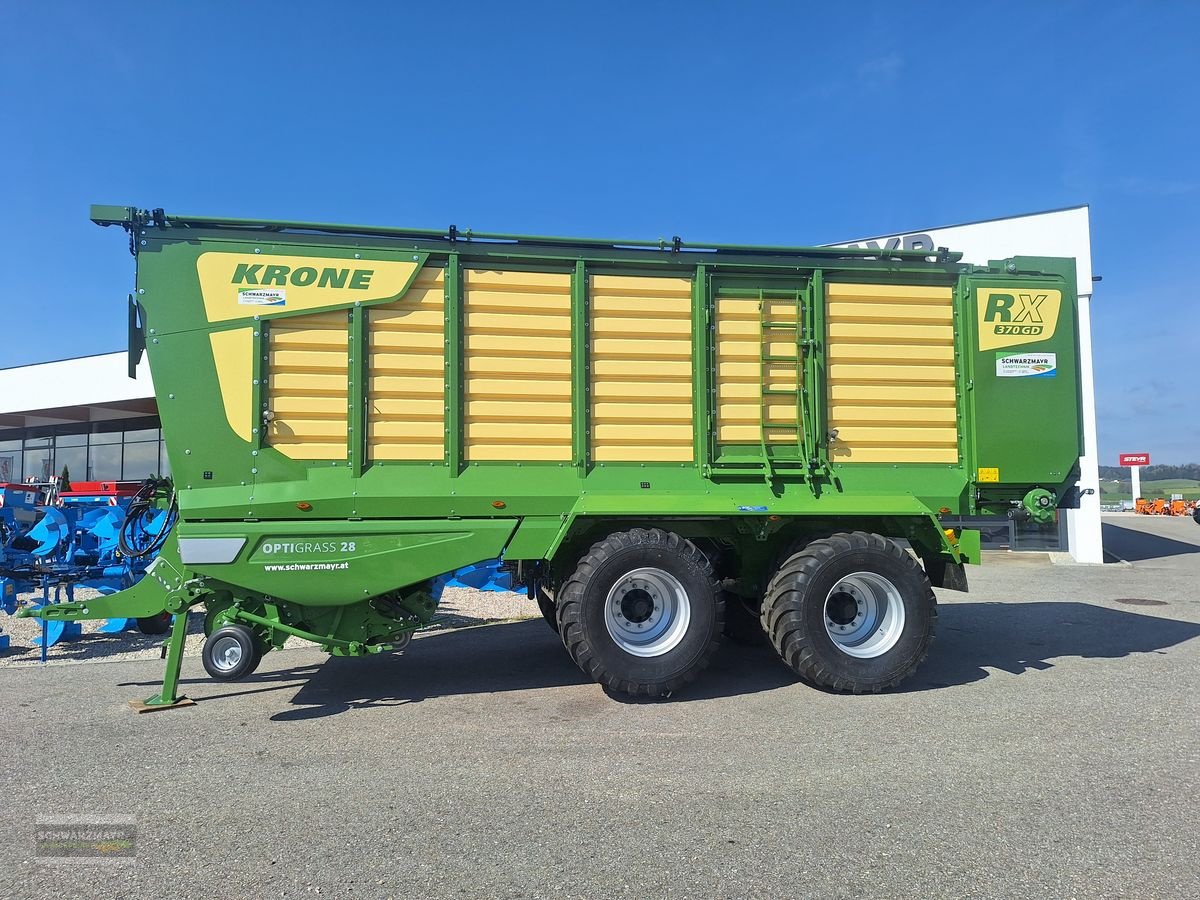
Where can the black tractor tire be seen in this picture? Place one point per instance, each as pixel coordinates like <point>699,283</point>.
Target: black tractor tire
<point>675,598</point>
<point>159,624</point>
<point>875,579</point>
<point>230,653</point>
<point>548,607</point>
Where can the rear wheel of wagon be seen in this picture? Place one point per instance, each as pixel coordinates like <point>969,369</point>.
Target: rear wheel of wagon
<point>641,614</point>
<point>851,612</point>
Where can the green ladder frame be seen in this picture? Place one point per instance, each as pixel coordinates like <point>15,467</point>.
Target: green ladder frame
<point>799,326</point>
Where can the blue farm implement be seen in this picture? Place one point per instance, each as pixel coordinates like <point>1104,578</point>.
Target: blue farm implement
<point>98,535</point>
<point>485,576</point>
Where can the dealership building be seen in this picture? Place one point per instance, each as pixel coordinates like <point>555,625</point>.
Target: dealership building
<point>88,416</point>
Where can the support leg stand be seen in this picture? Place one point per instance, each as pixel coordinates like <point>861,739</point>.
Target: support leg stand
<point>167,698</point>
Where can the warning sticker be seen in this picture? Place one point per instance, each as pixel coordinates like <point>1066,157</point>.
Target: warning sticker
<point>262,297</point>
<point>989,474</point>
<point>1026,365</point>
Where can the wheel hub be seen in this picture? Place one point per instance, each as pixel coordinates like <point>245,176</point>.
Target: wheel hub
<point>843,608</point>
<point>637,605</point>
<point>227,653</point>
<point>647,612</point>
<point>864,615</point>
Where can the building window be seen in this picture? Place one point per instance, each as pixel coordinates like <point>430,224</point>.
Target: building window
<point>141,460</point>
<point>128,450</point>
<point>38,459</point>
<point>104,462</point>
<point>10,461</point>
<point>71,457</point>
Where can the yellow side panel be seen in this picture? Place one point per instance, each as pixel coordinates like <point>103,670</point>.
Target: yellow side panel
<point>517,362</point>
<point>641,385</point>
<point>891,373</point>
<point>614,390</point>
<point>406,413</point>
<point>233,353</point>
<point>903,394</point>
<point>502,390</point>
<point>894,334</point>
<point>888,293</point>
<point>308,386</point>
<point>842,370</point>
<point>655,372</point>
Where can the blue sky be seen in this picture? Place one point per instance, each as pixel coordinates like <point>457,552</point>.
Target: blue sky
<point>739,122</point>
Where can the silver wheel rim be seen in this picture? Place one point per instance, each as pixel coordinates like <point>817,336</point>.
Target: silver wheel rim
<point>864,615</point>
<point>226,653</point>
<point>647,612</point>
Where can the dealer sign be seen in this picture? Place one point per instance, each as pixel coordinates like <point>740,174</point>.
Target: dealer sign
<point>1134,459</point>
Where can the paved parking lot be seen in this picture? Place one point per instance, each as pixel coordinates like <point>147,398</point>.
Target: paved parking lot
<point>1048,747</point>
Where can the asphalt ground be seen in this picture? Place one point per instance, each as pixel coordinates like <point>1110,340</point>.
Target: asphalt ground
<point>1048,747</point>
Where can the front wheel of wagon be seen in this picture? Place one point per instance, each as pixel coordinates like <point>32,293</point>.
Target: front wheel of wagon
<point>851,612</point>
<point>641,614</point>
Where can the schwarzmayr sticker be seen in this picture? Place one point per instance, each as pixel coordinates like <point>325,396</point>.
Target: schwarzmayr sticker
<point>262,297</point>
<point>1026,365</point>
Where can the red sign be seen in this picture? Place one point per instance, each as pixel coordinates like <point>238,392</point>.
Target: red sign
<point>1134,459</point>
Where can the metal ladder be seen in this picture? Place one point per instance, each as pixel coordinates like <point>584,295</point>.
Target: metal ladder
<point>799,427</point>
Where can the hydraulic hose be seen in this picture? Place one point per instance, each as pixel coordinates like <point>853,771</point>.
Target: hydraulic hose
<point>141,508</point>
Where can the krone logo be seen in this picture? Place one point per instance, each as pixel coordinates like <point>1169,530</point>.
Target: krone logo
<point>244,285</point>
<point>1011,316</point>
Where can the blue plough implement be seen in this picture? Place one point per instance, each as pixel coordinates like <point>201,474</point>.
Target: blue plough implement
<point>99,535</point>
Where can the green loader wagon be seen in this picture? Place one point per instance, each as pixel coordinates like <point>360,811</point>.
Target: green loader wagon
<point>661,440</point>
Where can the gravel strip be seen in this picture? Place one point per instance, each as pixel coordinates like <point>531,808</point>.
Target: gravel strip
<point>459,607</point>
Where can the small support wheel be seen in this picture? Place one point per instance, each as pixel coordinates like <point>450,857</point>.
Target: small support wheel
<point>230,653</point>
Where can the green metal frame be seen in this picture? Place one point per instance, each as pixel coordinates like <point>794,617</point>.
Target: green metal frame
<point>454,364</point>
<point>581,401</point>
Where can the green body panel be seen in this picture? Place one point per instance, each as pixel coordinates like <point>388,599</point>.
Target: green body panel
<point>336,563</point>
<point>536,537</point>
<point>386,527</point>
<point>1019,424</point>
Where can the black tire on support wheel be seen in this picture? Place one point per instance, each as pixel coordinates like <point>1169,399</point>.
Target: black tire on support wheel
<point>851,612</point>
<point>159,624</point>
<point>641,614</point>
<point>230,653</point>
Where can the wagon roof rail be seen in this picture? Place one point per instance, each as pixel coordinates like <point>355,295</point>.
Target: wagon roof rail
<point>131,217</point>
